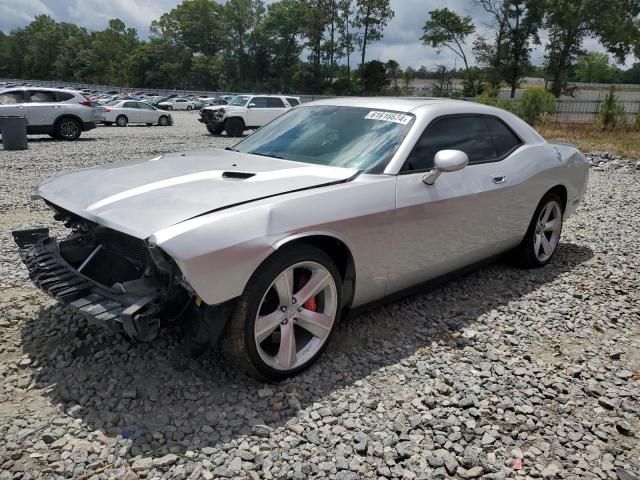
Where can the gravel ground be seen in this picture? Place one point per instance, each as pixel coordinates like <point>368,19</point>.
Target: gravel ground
<point>501,374</point>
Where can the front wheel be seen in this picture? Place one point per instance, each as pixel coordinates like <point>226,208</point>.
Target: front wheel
<point>234,127</point>
<point>214,130</point>
<point>163,121</point>
<point>543,236</point>
<point>285,317</point>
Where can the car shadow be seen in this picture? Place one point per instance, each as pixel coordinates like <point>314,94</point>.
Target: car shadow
<point>159,400</point>
<point>55,140</point>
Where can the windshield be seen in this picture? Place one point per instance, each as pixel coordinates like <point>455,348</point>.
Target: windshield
<point>330,135</point>
<point>239,101</point>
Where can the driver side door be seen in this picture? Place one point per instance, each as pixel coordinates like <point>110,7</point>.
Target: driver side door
<point>461,218</point>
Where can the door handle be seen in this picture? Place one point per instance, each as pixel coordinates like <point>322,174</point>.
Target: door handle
<point>499,178</point>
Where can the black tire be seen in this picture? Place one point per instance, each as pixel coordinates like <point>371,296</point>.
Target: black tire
<point>214,130</point>
<point>163,121</point>
<point>234,127</point>
<point>525,255</point>
<point>68,129</point>
<point>203,327</point>
<point>169,107</point>
<point>238,341</point>
<point>189,107</point>
<point>122,120</point>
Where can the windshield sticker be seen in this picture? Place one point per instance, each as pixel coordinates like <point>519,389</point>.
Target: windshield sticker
<point>389,117</point>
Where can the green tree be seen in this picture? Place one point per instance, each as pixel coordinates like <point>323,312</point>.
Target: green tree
<point>569,22</point>
<point>195,24</point>
<point>371,16</point>
<point>284,31</point>
<point>517,23</point>
<point>408,75</point>
<point>347,38</point>
<point>593,67</point>
<point>446,29</point>
<point>393,70</point>
<point>374,78</point>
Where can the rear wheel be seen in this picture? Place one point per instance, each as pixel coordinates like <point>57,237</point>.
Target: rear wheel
<point>122,121</point>
<point>68,129</point>
<point>163,121</point>
<point>543,236</point>
<point>234,127</point>
<point>285,317</point>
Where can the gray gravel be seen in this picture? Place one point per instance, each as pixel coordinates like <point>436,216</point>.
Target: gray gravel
<point>502,374</point>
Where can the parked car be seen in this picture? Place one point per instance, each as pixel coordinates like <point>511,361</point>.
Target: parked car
<point>123,112</point>
<point>177,104</point>
<point>245,112</point>
<point>62,114</point>
<point>331,206</point>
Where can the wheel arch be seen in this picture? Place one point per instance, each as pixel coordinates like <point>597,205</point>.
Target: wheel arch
<point>562,192</point>
<point>235,117</point>
<point>337,249</point>
<point>67,115</point>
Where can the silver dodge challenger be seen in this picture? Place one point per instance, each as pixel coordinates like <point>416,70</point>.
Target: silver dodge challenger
<point>334,205</point>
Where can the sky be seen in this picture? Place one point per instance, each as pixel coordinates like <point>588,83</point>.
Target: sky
<point>401,36</point>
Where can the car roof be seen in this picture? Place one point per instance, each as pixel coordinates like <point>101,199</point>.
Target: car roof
<point>46,89</point>
<point>416,105</point>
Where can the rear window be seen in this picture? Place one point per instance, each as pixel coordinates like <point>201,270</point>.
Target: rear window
<point>504,139</point>
<point>275,103</point>
<point>43,96</point>
<point>64,96</point>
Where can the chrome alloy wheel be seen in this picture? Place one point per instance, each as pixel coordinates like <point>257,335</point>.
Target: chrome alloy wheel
<point>548,228</point>
<point>296,315</point>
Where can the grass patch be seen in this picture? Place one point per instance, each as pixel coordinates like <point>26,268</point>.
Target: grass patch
<point>590,137</point>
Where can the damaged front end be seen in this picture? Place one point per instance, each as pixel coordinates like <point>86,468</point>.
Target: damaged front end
<point>113,279</point>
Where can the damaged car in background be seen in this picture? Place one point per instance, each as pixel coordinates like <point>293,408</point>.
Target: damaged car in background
<point>332,206</point>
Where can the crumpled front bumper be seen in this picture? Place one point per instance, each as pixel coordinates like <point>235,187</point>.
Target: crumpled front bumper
<point>135,314</point>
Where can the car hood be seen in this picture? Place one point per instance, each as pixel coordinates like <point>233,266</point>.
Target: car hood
<point>142,197</point>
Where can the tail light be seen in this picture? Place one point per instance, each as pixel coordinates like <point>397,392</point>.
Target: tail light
<point>106,109</point>
<point>86,102</point>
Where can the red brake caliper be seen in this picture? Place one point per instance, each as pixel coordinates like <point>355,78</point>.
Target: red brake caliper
<point>311,303</point>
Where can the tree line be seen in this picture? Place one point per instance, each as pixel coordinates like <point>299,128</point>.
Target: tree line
<point>307,46</point>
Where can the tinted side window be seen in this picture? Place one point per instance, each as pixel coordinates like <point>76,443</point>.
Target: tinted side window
<point>11,98</point>
<point>130,105</point>
<point>42,96</point>
<point>275,103</point>
<point>145,106</point>
<point>293,102</point>
<point>468,134</point>
<point>260,102</point>
<point>64,96</point>
<point>504,139</point>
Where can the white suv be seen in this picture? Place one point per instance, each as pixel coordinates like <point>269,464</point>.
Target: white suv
<point>245,112</point>
<point>63,114</point>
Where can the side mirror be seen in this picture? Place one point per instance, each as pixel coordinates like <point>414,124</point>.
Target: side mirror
<point>252,105</point>
<point>446,161</point>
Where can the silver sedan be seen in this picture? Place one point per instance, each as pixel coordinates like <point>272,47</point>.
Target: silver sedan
<point>123,112</point>
<point>334,205</point>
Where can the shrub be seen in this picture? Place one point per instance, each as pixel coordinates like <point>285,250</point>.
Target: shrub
<point>637,125</point>
<point>490,98</point>
<point>611,113</point>
<point>536,102</point>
